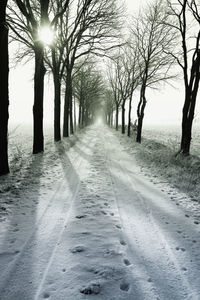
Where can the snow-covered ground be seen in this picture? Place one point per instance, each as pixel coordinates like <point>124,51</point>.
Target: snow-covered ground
<point>83,221</point>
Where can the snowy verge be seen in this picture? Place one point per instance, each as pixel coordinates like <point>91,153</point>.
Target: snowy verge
<point>158,161</point>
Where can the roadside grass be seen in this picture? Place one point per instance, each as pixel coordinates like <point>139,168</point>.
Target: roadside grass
<point>159,159</point>
<point>183,172</point>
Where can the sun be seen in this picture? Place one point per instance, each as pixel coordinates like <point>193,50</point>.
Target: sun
<point>46,35</point>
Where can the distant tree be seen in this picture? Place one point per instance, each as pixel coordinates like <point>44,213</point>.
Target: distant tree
<point>112,74</point>
<point>185,19</point>
<point>109,105</point>
<point>4,100</point>
<point>124,80</point>
<point>132,68</point>
<point>94,28</point>
<point>154,41</point>
<point>129,78</point>
<point>88,88</point>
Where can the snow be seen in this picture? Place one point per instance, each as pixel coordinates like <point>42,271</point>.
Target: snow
<point>83,221</point>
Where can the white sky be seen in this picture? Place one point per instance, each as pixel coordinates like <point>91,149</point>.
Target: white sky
<point>163,108</point>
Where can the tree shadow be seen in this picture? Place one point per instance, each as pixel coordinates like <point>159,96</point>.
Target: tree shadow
<point>17,257</point>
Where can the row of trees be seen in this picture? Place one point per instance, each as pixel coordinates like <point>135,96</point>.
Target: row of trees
<point>163,36</point>
<point>81,28</point>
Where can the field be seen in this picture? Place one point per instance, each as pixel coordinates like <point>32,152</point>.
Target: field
<point>157,155</point>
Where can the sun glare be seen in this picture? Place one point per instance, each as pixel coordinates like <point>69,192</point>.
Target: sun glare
<point>46,35</point>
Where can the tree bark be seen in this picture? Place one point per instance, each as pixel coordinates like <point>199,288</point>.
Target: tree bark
<point>79,114</point>
<point>117,117</point>
<point>129,117</point>
<point>57,101</point>
<point>68,99</point>
<point>74,114</point>
<point>4,99</point>
<point>123,118</point>
<point>38,137</point>
<point>71,116</point>
<point>83,114</point>
<point>191,91</point>
<point>140,113</point>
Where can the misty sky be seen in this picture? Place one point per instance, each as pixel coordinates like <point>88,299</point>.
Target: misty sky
<point>164,105</point>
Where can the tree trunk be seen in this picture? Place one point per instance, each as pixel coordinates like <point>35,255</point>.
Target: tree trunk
<point>71,116</point>
<point>4,100</point>
<point>38,137</point>
<point>57,95</point>
<point>129,117</point>
<point>187,121</point>
<point>79,114</point>
<point>74,114</point>
<point>140,113</point>
<point>117,117</point>
<point>123,118</point>
<point>68,99</point>
<point>83,114</point>
<point>189,107</point>
<point>111,120</point>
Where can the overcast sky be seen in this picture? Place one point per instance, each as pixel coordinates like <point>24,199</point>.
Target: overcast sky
<point>163,108</point>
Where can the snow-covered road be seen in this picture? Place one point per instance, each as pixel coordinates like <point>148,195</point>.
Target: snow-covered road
<point>104,231</point>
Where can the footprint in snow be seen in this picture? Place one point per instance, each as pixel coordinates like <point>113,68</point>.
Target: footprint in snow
<point>103,212</point>
<point>93,288</point>
<point>124,286</point>
<point>46,295</point>
<point>77,249</point>
<point>126,262</point>
<point>196,222</point>
<point>112,214</point>
<point>85,233</point>
<point>80,216</point>
<point>118,226</point>
<point>122,242</point>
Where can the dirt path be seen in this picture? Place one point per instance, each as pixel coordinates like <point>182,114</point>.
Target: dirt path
<point>104,233</point>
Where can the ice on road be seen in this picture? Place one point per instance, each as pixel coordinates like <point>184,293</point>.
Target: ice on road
<point>104,231</point>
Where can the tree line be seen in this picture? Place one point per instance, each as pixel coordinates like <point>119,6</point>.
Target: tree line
<point>81,28</point>
<point>163,38</point>
<point>142,54</point>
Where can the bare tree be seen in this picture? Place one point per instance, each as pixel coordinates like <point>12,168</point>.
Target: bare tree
<point>88,87</point>
<point>25,22</point>
<point>154,41</point>
<point>94,28</point>
<point>185,18</point>
<point>132,68</point>
<point>124,79</point>
<point>4,100</point>
<point>109,105</point>
<point>112,74</point>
